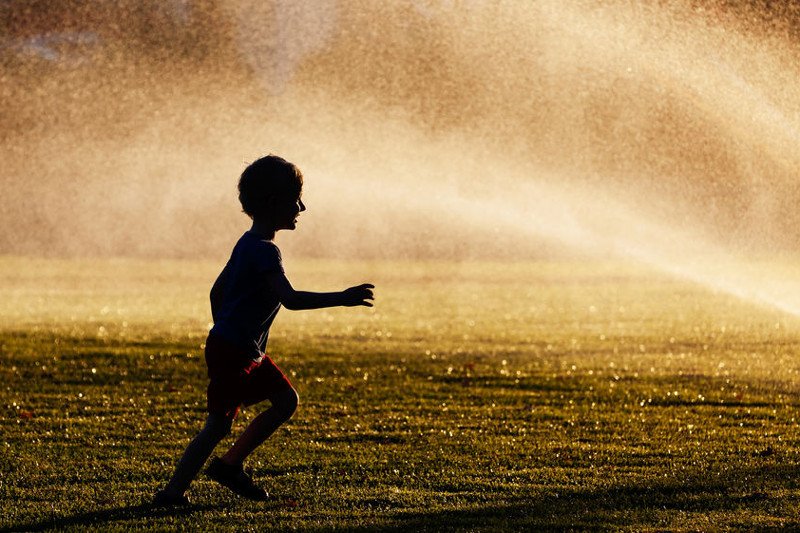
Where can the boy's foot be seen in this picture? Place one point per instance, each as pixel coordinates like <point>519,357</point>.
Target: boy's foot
<point>235,478</point>
<point>164,499</point>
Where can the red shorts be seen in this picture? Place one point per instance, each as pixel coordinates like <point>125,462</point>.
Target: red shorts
<point>236,379</point>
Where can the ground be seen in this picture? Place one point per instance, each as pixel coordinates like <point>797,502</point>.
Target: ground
<point>474,396</point>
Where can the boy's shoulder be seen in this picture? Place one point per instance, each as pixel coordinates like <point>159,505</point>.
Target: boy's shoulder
<point>263,252</point>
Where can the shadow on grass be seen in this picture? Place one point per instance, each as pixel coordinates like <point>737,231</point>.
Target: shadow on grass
<point>106,516</point>
<point>748,499</point>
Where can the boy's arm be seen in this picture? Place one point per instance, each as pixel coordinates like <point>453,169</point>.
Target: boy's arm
<point>297,300</point>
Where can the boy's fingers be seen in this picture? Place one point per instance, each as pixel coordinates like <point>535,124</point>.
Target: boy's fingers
<point>367,304</point>
<point>367,286</point>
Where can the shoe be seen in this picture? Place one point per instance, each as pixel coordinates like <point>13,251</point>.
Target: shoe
<point>164,499</point>
<point>235,478</point>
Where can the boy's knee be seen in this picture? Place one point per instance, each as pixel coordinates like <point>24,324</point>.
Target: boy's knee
<point>287,402</point>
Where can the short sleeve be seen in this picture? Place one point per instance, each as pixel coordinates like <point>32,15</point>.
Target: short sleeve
<point>267,258</point>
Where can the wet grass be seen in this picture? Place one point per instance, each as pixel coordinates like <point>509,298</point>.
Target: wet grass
<point>473,396</point>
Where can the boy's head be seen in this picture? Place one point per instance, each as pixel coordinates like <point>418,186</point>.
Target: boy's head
<point>268,185</point>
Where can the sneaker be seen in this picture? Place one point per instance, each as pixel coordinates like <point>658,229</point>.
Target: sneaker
<point>164,499</point>
<point>235,478</point>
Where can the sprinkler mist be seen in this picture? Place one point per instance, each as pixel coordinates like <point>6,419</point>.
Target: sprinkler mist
<point>661,133</point>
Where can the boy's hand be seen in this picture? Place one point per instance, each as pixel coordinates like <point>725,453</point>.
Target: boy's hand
<point>358,295</point>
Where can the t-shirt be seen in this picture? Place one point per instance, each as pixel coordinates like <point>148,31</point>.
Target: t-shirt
<point>248,305</point>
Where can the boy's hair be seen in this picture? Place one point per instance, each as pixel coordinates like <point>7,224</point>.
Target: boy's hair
<point>269,176</point>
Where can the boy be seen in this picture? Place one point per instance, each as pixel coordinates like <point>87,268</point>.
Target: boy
<point>244,301</point>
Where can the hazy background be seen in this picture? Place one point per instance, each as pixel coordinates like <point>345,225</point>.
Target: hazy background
<point>661,131</point>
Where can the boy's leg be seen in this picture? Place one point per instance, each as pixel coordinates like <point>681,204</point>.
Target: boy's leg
<point>198,451</point>
<point>284,404</point>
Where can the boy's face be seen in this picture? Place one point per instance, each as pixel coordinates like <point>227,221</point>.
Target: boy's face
<point>285,211</point>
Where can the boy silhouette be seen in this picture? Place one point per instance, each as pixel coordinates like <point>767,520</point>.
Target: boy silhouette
<point>244,301</point>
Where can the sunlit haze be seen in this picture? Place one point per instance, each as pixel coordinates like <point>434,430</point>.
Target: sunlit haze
<point>663,133</point>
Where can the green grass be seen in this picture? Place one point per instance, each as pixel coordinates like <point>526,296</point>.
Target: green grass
<point>473,396</point>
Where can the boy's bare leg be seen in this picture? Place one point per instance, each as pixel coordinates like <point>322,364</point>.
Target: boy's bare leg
<point>262,427</point>
<point>198,451</point>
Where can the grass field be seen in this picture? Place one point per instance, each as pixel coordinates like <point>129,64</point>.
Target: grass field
<point>473,396</point>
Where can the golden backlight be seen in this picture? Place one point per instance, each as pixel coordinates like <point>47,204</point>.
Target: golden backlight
<point>664,133</point>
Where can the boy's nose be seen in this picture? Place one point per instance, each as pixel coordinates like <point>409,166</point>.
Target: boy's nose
<point>302,206</point>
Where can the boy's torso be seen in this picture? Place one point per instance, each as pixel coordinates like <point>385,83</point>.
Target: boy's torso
<point>248,306</point>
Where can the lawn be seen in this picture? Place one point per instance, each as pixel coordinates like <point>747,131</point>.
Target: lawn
<point>473,396</point>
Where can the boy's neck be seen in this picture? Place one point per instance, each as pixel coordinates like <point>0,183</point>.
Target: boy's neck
<point>263,229</point>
